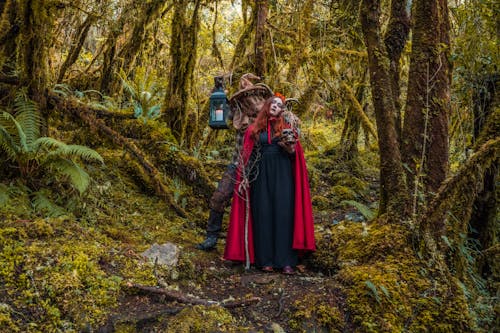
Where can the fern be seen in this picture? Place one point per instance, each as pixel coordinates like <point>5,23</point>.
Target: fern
<point>363,209</point>
<point>7,143</point>
<point>62,89</point>
<point>56,161</point>
<point>42,203</point>
<point>76,151</point>
<point>4,194</point>
<point>373,290</point>
<point>78,177</point>
<point>144,93</point>
<point>28,117</point>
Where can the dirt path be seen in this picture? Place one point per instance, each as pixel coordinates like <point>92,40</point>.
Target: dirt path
<point>280,297</point>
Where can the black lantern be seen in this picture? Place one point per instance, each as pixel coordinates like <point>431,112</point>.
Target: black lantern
<point>219,108</point>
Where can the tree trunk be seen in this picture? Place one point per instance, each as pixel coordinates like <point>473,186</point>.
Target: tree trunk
<point>183,46</point>
<point>350,132</point>
<point>425,131</point>
<point>241,46</point>
<point>393,196</point>
<point>109,58</point>
<point>486,125</point>
<point>9,30</point>
<point>300,44</point>
<point>260,38</point>
<point>77,46</point>
<point>33,53</point>
<point>395,40</point>
<point>128,54</point>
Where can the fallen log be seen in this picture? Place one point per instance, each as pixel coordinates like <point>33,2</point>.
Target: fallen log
<point>183,298</point>
<point>98,125</point>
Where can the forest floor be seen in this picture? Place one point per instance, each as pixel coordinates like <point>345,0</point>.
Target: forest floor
<point>270,302</point>
<point>274,296</point>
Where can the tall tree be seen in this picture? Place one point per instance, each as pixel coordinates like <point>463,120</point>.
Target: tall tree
<point>303,19</point>
<point>35,37</point>
<point>393,191</point>
<point>395,39</point>
<point>425,130</point>
<point>9,30</point>
<point>184,40</point>
<point>261,13</point>
<point>77,45</point>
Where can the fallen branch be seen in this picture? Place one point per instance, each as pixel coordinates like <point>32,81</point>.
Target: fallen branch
<point>95,124</point>
<point>182,298</point>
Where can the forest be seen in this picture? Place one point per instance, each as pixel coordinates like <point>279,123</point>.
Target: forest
<point>106,156</point>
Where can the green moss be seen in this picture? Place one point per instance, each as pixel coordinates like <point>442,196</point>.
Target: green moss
<point>201,319</point>
<point>321,203</point>
<point>387,287</point>
<point>314,314</point>
<point>340,193</point>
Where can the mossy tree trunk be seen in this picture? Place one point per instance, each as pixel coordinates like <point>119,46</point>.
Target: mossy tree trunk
<point>483,222</point>
<point>108,62</point>
<point>352,125</point>
<point>77,45</point>
<point>35,37</point>
<point>184,40</point>
<point>298,56</point>
<point>393,191</point>
<point>395,38</point>
<point>242,44</point>
<point>261,13</point>
<point>425,128</point>
<point>9,30</point>
<point>148,13</point>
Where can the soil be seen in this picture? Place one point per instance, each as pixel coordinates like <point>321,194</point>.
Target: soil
<point>276,295</point>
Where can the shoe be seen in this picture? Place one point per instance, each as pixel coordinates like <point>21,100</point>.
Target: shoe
<point>267,269</point>
<point>208,244</point>
<point>288,270</point>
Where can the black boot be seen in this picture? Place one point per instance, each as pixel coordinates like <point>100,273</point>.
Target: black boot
<point>208,244</point>
<point>214,226</point>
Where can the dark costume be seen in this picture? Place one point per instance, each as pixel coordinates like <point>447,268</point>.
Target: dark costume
<point>245,104</point>
<point>280,221</point>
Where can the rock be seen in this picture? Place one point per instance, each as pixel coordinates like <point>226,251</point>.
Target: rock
<point>166,254</point>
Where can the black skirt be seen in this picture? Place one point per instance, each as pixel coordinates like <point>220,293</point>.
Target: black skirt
<point>272,203</point>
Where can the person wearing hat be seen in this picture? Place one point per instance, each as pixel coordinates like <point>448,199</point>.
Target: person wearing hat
<point>244,106</point>
<point>271,220</point>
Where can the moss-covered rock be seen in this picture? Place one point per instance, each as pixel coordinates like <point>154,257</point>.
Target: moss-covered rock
<point>387,287</point>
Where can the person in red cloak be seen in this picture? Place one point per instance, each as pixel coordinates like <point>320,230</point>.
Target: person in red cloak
<point>271,221</point>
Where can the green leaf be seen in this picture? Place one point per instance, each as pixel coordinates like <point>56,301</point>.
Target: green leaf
<point>42,203</point>
<point>78,177</point>
<point>4,194</point>
<point>373,290</point>
<point>363,209</point>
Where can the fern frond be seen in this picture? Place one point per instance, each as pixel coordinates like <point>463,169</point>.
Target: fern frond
<point>4,194</point>
<point>41,203</point>
<point>72,151</point>
<point>128,85</point>
<point>27,115</point>
<point>77,176</point>
<point>62,89</point>
<point>363,209</point>
<point>7,123</point>
<point>7,143</point>
<point>47,142</point>
<point>15,131</point>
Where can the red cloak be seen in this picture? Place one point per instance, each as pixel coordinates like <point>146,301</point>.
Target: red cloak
<point>303,235</point>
